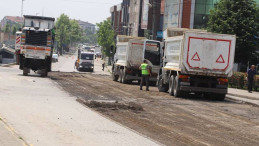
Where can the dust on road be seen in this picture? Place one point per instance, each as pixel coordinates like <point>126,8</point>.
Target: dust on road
<point>169,120</point>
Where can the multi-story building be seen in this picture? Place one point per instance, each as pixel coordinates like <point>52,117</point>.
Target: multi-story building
<point>188,13</point>
<point>11,20</point>
<point>137,18</point>
<point>116,16</point>
<point>87,25</point>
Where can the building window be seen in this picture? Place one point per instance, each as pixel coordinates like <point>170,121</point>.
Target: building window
<point>201,13</point>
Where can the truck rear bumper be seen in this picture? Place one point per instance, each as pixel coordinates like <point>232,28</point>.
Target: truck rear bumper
<point>204,90</point>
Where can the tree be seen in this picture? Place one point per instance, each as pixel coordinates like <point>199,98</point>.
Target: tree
<point>62,30</point>
<point>75,31</point>
<point>14,29</point>
<point>89,37</point>
<point>105,37</point>
<point>237,17</point>
<point>7,28</point>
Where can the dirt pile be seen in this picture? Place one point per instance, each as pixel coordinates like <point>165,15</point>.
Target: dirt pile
<point>112,105</point>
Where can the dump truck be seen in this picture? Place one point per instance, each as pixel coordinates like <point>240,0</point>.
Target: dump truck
<point>85,61</point>
<point>198,62</point>
<point>130,53</point>
<point>37,39</point>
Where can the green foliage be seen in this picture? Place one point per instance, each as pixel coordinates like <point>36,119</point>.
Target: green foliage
<point>237,17</point>
<point>7,28</point>
<point>105,37</point>
<point>14,29</point>
<point>89,37</point>
<point>69,31</point>
<point>62,30</point>
<point>237,80</point>
<point>75,31</point>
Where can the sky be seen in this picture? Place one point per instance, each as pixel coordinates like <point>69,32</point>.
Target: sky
<point>93,11</point>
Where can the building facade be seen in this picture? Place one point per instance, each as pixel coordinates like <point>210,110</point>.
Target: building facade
<point>87,26</point>
<point>188,13</point>
<point>11,20</point>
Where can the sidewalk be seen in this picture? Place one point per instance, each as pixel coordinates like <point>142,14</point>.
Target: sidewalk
<point>244,95</point>
<point>8,137</point>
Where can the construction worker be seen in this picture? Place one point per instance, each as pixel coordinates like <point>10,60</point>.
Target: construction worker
<point>103,64</point>
<point>145,73</point>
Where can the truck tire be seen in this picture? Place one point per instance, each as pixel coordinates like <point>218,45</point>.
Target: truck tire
<point>25,71</point>
<point>120,76</point>
<point>21,62</point>
<point>114,77</point>
<point>162,87</point>
<point>176,89</point>
<point>44,73</point>
<point>171,86</point>
<point>123,75</point>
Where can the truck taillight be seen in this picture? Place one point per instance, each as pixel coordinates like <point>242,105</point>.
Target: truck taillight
<point>184,78</point>
<point>49,41</point>
<point>23,37</point>
<point>222,81</point>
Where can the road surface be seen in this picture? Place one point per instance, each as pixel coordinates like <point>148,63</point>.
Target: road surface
<point>45,112</point>
<point>190,120</point>
<point>42,114</point>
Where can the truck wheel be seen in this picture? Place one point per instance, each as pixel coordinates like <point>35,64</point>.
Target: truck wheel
<point>171,86</point>
<point>176,89</point>
<point>25,71</point>
<point>21,62</point>
<point>44,73</point>
<point>162,87</point>
<point>123,80</point>
<point>114,77</point>
<point>120,76</point>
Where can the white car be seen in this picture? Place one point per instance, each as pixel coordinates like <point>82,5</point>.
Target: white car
<point>55,58</point>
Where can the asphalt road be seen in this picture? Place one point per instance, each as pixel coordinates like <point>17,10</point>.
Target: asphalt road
<point>42,114</point>
<point>66,64</point>
<point>190,120</point>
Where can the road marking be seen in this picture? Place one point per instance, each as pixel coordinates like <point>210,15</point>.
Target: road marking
<point>11,129</point>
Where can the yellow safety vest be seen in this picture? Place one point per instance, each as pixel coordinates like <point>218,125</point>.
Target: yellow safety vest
<point>144,69</point>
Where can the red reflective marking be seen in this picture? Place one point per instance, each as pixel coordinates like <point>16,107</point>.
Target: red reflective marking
<point>196,57</point>
<point>188,51</point>
<point>220,59</point>
<point>143,44</point>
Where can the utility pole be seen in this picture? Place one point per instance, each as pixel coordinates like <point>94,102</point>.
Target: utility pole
<point>22,8</point>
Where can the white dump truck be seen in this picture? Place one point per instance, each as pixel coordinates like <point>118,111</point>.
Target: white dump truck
<point>85,61</point>
<point>130,53</point>
<point>37,39</point>
<point>196,61</point>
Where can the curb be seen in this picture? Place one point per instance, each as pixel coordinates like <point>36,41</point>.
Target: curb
<point>244,99</point>
<point>7,65</point>
<point>242,96</point>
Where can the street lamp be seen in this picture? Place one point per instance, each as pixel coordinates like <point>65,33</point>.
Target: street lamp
<point>22,8</point>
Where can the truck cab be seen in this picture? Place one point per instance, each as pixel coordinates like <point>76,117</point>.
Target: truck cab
<point>85,61</point>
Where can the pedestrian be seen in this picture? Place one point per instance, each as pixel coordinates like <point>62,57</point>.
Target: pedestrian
<point>250,78</point>
<point>103,64</point>
<point>75,64</point>
<point>145,73</point>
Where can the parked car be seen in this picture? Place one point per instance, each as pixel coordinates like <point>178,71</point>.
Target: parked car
<point>55,58</point>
